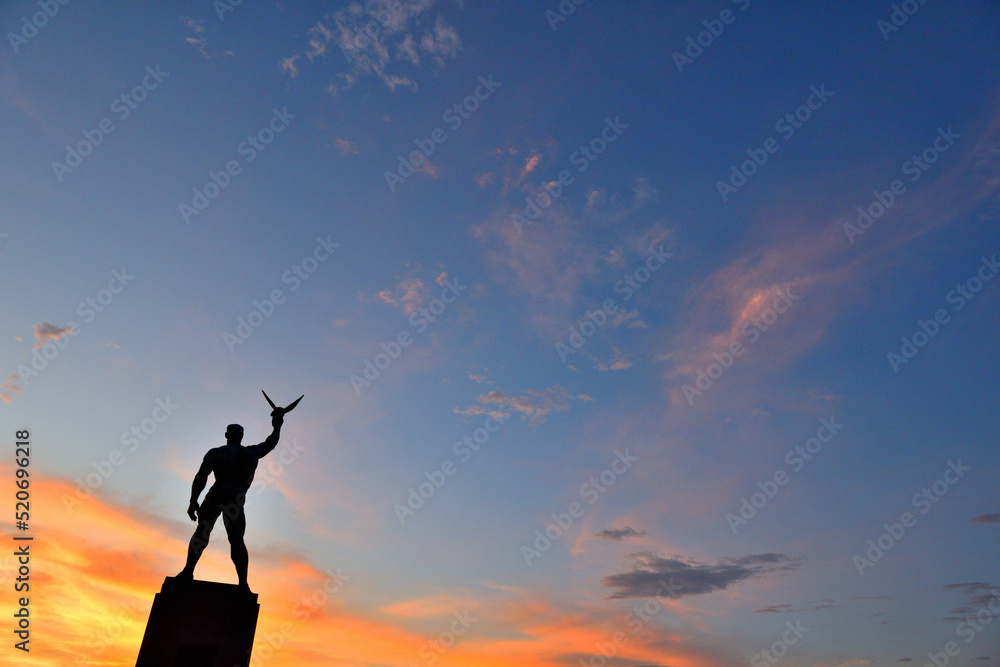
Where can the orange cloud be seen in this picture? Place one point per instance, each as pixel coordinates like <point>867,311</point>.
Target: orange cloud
<point>531,164</point>
<point>96,566</point>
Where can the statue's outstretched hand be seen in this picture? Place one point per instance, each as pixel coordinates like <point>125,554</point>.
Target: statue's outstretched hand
<point>193,510</point>
<point>278,414</point>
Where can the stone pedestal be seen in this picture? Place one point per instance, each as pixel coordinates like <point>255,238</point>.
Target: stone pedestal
<point>199,624</point>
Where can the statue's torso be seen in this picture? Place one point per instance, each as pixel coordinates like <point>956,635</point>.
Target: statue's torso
<point>234,467</point>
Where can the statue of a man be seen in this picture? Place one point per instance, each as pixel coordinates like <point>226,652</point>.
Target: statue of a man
<point>233,466</point>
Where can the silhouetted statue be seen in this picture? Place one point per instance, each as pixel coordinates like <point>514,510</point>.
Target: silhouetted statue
<point>234,466</point>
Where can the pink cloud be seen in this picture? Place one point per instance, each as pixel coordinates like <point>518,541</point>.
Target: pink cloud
<point>45,332</point>
<point>409,294</point>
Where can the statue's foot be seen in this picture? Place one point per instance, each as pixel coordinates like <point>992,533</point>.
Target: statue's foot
<point>184,575</point>
<point>245,588</point>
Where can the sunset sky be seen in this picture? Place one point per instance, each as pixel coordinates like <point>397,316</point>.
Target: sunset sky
<point>638,334</point>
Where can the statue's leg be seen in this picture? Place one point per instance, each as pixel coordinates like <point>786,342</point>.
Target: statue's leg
<point>236,525</point>
<point>206,521</point>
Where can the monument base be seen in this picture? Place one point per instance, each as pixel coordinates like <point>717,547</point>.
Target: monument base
<point>199,624</point>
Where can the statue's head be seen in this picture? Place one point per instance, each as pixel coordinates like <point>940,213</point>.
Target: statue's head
<point>234,433</point>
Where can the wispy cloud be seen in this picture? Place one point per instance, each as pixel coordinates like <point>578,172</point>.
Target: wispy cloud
<point>979,595</point>
<point>196,36</point>
<point>12,95</point>
<point>533,407</point>
<point>432,606</point>
<point>287,66</point>
<point>610,210</point>
<point>10,386</point>
<point>619,364</point>
<point>345,147</point>
<point>409,294</point>
<point>553,262</point>
<point>807,252</point>
<point>379,38</point>
<point>789,608</point>
<point>485,178</point>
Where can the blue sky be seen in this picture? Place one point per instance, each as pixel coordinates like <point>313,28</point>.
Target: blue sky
<point>301,116</point>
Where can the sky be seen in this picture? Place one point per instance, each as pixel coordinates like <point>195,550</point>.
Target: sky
<point>630,334</point>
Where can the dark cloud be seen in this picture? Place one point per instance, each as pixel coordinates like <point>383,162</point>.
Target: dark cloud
<point>575,659</point>
<point>45,332</point>
<point>678,577</point>
<point>987,518</point>
<point>807,606</point>
<point>979,594</point>
<point>970,588</point>
<point>619,534</point>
